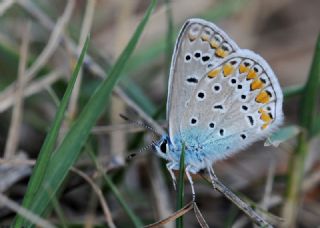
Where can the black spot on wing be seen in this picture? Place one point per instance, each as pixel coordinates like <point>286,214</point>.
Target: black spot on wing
<point>192,80</point>
<point>218,107</point>
<point>205,58</point>
<point>251,121</point>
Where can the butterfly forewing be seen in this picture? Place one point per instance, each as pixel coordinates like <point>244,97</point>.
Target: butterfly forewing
<point>200,47</point>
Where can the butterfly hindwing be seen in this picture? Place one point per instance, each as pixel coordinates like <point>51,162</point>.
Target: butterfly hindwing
<point>235,103</point>
<point>200,46</point>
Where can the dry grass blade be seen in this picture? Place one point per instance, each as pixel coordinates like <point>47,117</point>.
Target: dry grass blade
<point>246,208</point>
<point>269,186</point>
<point>32,88</point>
<point>85,29</point>
<point>10,174</point>
<point>99,193</point>
<point>13,138</point>
<point>23,162</point>
<point>24,212</point>
<point>159,189</point>
<point>53,42</point>
<point>311,181</point>
<point>95,68</point>
<point>172,217</point>
<point>47,52</point>
<point>67,153</point>
<point>202,222</point>
<point>45,154</point>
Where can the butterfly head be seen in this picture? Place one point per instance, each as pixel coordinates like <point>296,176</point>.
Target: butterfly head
<point>162,147</point>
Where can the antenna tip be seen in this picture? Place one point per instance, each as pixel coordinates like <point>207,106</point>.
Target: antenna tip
<point>123,117</point>
<point>130,156</point>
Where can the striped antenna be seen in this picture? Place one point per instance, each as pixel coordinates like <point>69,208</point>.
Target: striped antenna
<point>141,124</point>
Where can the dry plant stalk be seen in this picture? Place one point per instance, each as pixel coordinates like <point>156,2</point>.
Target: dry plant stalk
<point>96,189</point>
<point>32,88</point>
<point>254,216</point>
<point>14,130</point>
<point>92,66</point>
<point>46,53</point>
<point>172,217</point>
<point>85,30</point>
<point>24,212</point>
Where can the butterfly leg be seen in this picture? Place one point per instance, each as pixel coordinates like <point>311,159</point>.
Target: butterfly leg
<point>173,177</point>
<point>191,182</point>
<point>212,176</point>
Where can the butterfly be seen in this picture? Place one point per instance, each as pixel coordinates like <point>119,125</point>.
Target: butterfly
<point>220,99</point>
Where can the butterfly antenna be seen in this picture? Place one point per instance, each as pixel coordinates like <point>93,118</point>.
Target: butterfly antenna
<point>132,155</point>
<point>141,124</point>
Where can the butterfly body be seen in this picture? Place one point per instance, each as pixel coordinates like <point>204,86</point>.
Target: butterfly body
<point>221,99</point>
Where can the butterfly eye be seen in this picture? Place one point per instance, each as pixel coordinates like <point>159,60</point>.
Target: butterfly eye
<point>163,146</point>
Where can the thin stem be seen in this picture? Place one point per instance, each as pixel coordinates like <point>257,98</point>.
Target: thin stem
<point>246,208</point>
<point>13,136</point>
<point>180,201</point>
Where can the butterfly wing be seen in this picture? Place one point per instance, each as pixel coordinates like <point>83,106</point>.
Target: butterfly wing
<point>200,46</point>
<point>234,104</point>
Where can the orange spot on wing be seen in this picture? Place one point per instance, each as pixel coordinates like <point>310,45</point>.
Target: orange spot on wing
<point>192,37</point>
<point>263,97</point>
<point>221,53</point>
<point>214,43</point>
<point>214,73</point>
<point>252,74</point>
<point>227,69</point>
<point>205,37</point>
<point>265,117</point>
<point>256,84</point>
<point>243,69</point>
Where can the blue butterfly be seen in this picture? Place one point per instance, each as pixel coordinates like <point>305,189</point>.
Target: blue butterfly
<point>221,99</point>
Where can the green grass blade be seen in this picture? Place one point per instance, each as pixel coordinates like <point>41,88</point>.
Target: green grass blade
<point>316,126</point>
<point>291,91</point>
<point>47,148</point>
<point>296,174</point>
<point>309,97</point>
<point>180,198</point>
<point>67,153</point>
<point>307,117</point>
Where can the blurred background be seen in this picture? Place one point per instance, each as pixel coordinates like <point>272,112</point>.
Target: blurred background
<point>284,32</point>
